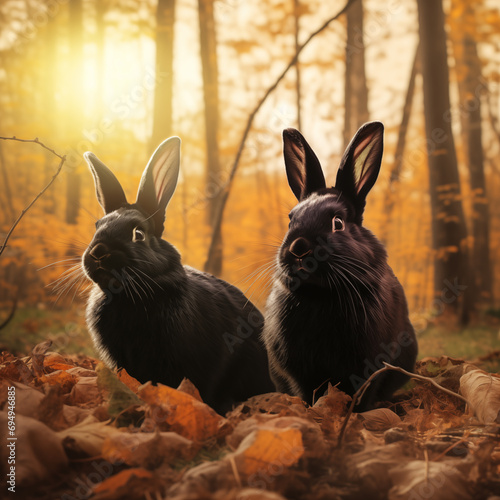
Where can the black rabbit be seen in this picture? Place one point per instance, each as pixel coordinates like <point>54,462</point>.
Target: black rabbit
<point>336,311</point>
<point>156,318</point>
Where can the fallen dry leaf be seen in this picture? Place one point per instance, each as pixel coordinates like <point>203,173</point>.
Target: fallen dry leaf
<point>38,356</point>
<point>312,437</point>
<point>85,391</point>
<point>64,380</point>
<point>54,361</point>
<point>132,383</point>
<point>79,371</point>
<point>120,396</point>
<point>188,387</point>
<point>182,413</point>
<point>16,371</point>
<point>50,410</point>
<point>86,438</point>
<point>436,480</point>
<point>379,419</point>
<point>334,402</point>
<point>257,494</point>
<point>27,398</point>
<point>371,466</point>
<point>482,390</point>
<point>269,451</point>
<point>39,454</point>
<point>123,480</point>
<point>149,450</point>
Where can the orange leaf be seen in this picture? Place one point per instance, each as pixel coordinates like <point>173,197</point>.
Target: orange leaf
<point>128,380</point>
<point>54,361</point>
<point>265,450</point>
<point>182,412</point>
<point>65,380</point>
<point>121,479</point>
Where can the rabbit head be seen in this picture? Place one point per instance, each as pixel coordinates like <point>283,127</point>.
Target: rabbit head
<point>325,243</point>
<point>127,241</point>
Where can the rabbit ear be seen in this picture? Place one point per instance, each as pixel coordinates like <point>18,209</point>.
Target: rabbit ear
<point>360,164</point>
<point>303,169</point>
<point>109,192</point>
<point>159,180</point>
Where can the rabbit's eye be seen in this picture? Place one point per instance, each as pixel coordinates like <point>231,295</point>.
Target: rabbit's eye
<point>139,234</point>
<point>337,224</point>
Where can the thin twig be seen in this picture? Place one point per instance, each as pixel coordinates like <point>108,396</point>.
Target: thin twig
<point>11,314</point>
<point>427,379</point>
<point>360,392</point>
<point>59,168</point>
<point>34,141</point>
<point>454,445</point>
<point>227,186</point>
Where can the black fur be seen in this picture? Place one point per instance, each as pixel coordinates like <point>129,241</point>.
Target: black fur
<point>336,310</point>
<point>156,318</point>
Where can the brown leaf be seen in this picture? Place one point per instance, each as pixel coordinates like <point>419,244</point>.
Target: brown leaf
<point>272,403</point>
<point>182,413</point>
<point>257,494</point>
<point>149,450</point>
<point>482,390</point>
<point>372,466</point>
<point>436,480</point>
<point>17,371</point>
<point>39,453</point>
<point>87,438</point>
<point>80,371</point>
<point>54,361</point>
<point>38,355</point>
<point>85,392</point>
<point>63,379</point>
<point>50,410</point>
<point>188,387</point>
<point>27,398</point>
<point>379,419</point>
<point>333,402</point>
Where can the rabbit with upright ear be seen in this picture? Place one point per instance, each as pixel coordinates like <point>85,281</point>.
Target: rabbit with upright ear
<point>336,311</point>
<point>156,318</point>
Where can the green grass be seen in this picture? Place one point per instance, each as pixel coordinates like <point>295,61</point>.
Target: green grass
<point>30,326</point>
<point>67,330</point>
<point>469,343</point>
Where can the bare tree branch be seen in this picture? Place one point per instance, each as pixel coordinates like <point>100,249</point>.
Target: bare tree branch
<point>360,392</point>
<point>227,187</point>
<point>10,315</point>
<point>59,168</point>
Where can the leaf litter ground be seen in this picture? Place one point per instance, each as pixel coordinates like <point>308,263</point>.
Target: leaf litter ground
<point>84,431</point>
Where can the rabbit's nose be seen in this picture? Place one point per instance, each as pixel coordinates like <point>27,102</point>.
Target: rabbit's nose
<point>300,248</point>
<point>99,251</point>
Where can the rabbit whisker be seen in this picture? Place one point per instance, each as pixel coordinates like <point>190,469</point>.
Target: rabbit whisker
<point>63,262</point>
<point>149,278</point>
<point>139,282</point>
<point>66,276</point>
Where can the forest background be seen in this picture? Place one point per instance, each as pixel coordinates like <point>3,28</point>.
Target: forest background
<point>117,77</point>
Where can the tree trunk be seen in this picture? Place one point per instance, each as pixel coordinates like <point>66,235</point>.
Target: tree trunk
<point>73,190</point>
<point>162,120</point>
<point>298,92</point>
<point>50,105</point>
<point>469,86</point>
<point>226,189</point>
<point>400,149</point>
<point>208,47</point>
<point>356,90</point>
<point>448,222</point>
